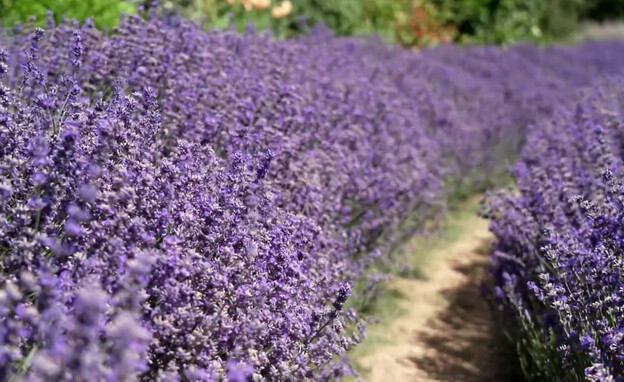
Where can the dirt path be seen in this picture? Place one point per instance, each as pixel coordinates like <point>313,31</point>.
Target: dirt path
<point>442,329</point>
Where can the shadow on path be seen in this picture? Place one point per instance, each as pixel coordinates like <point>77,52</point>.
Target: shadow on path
<point>462,343</point>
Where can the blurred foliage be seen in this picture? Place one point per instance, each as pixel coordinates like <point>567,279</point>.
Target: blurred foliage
<point>405,21</point>
<point>105,13</point>
<point>506,21</point>
<point>603,10</point>
<point>345,17</point>
<point>408,22</point>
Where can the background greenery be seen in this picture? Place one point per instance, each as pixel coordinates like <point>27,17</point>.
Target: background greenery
<point>421,22</point>
<point>603,10</point>
<point>409,22</point>
<point>105,12</point>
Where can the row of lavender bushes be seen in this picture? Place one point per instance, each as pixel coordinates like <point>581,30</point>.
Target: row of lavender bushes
<point>558,267</point>
<point>179,205</point>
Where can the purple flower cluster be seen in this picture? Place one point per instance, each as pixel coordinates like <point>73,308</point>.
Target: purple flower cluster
<point>130,251</point>
<point>558,264</point>
<point>178,204</point>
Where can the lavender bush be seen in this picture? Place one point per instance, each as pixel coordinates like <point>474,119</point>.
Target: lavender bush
<point>181,205</point>
<point>558,260</point>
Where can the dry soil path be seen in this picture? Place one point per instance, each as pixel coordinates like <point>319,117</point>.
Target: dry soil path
<point>444,331</point>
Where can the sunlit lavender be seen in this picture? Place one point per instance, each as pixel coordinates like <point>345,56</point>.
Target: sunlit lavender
<point>182,205</point>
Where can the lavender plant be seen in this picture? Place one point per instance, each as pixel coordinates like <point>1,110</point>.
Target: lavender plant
<point>558,260</point>
<point>182,205</point>
<point>126,253</point>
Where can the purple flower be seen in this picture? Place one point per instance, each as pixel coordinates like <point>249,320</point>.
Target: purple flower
<point>172,199</point>
<point>239,371</point>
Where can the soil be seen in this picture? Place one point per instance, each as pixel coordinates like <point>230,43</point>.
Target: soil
<point>444,330</point>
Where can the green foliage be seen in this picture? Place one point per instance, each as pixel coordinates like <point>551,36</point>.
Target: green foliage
<point>383,16</point>
<point>219,14</point>
<point>468,21</point>
<point>106,13</point>
<point>345,17</point>
<point>355,17</point>
<point>476,21</point>
<point>602,10</point>
<point>506,21</point>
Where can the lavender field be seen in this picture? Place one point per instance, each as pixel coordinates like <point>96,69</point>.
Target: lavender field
<point>183,205</point>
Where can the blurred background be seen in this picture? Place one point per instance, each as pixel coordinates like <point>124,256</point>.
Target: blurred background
<point>412,23</point>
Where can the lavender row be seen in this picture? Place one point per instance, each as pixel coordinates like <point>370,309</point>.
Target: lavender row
<point>182,205</point>
<point>558,262</point>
